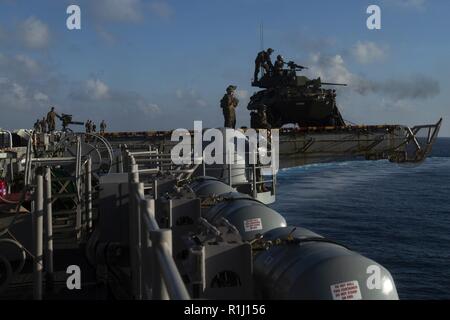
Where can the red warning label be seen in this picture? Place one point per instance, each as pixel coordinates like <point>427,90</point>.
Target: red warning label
<point>252,224</point>
<point>346,291</point>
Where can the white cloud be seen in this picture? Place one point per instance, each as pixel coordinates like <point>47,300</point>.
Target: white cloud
<point>40,97</point>
<point>22,68</point>
<point>13,96</point>
<point>124,11</point>
<point>24,85</point>
<point>161,9</point>
<point>415,4</point>
<point>191,98</point>
<point>118,10</point>
<point>97,89</point>
<point>27,62</point>
<point>18,91</point>
<point>330,69</point>
<point>106,36</point>
<point>201,103</point>
<point>25,95</point>
<point>95,97</point>
<point>368,52</point>
<point>242,94</point>
<point>34,33</point>
<point>147,108</point>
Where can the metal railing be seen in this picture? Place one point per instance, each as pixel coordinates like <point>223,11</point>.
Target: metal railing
<point>7,146</point>
<point>42,217</point>
<point>154,274</point>
<point>162,163</point>
<point>157,162</point>
<point>7,133</point>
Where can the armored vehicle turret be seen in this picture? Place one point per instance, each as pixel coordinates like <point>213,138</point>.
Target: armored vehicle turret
<point>289,98</point>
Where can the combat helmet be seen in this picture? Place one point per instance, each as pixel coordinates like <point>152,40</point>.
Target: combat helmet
<point>231,88</point>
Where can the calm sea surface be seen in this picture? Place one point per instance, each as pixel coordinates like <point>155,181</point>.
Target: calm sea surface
<point>396,215</point>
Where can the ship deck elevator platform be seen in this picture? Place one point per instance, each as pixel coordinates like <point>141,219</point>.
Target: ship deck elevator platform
<point>301,146</point>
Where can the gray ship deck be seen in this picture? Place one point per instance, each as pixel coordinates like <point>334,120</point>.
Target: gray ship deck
<point>300,146</point>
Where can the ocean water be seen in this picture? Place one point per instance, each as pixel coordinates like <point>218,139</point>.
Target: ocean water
<point>396,215</point>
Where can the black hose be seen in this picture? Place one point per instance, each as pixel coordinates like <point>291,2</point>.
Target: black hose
<point>23,254</point>
<point>5,273</point>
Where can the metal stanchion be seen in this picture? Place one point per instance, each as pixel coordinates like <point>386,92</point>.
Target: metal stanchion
<point>88,195</point>
<point>229,170</point>
<point>120,163</point>
<point>199,280</point>
<point>133,225</point>
<point>155,189</point>
<point>147,209</point>
<point>38,237</point>
<point>158,239</point>
<point>48,229</point>
<point>138,230</point>
<point>255,190</point>
<point>78,220</point>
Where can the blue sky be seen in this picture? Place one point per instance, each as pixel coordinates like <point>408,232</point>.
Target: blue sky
<point>147,65</point>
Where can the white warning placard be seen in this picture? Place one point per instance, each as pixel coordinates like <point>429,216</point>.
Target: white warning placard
<point>346,291</point>
<point>253,224</point>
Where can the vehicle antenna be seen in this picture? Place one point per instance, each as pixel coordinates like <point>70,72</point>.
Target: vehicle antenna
<point>261,35</point>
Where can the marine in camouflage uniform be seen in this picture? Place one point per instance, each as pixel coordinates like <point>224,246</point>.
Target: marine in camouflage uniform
<point>263,60</point>
<point>259,118</point>
<point>37,126</point>
<point>51,120</point>
<point>43,125</point>
<point>278,66</point>
<point>228,104</point>
<point>102,126</point>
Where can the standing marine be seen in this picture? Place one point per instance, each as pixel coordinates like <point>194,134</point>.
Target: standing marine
<point>51,120</point>
<point>44,125</point>
<point>258,119</point>
<point>228,104</point>
<point>279,65</point>
<point>102,126</point>
<point>88,126</point>
<point>263,60</point>
<point>37,126</point>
